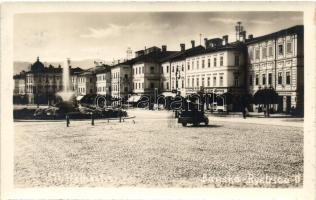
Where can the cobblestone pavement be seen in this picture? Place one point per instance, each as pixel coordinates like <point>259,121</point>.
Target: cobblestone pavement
<point>152,150</point>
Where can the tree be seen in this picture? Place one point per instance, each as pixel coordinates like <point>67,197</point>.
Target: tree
<point>266,97</point>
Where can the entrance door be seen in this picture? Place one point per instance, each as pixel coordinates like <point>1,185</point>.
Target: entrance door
<point>288,104</point>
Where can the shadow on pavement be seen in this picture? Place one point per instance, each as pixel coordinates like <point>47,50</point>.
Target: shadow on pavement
<point>204,126</point>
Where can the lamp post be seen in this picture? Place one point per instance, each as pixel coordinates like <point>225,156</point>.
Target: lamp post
<point>178,76</point>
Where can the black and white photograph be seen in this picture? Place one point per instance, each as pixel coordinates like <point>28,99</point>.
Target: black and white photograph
<point>159,99</point>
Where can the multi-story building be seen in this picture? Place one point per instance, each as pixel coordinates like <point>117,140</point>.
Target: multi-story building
<point>173,69</point>
<point>146,70</point>
<point>87,82</point>
<point>121,80</point>
<point>276,60</point>
<point>103,83</point>
<point>19,84</point>
<point>41,83</point>
<point>218,69</point>
<point>244,66</point>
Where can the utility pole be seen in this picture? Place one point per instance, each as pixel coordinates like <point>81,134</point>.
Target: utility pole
<point>238,28</point>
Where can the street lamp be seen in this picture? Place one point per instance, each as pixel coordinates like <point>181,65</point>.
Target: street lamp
<point>178,76</point>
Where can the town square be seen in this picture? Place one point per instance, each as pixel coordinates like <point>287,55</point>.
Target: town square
<point>161,99</point>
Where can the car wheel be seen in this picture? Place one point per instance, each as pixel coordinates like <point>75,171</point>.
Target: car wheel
<point>184,124</point>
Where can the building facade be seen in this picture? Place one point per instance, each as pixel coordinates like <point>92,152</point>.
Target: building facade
<point>244,66</point>
<point>276,61</point>
<point>218,69</point>
<point>121,82</point>
<point>103,82</point>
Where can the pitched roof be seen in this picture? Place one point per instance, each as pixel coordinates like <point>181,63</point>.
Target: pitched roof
<point>183,54</point>
<point>299,29</point>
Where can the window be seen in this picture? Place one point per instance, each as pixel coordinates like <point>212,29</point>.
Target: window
<point>221,62</point>
<point>182,85</point>
<point>188,64</point>
<point>221,81</point>
<point>288,78</point>
<point>280,78</point>
<point>208,62</point>
<point>135,71</point>
<point>152,70</point>
<point>197,64</point>
<point>250,80</point>
<point>236,81</point>
<point>167,85</point>
<point>214,81</point>
<point>257,79</point>
<point>289,47</point>
<point>203,82</point>
<point>251,53</point>
<point>203,63</point>
<point>263,79</point>
<point>142,69</point>
<point>172,69</point>
<point>270,78</point>
<point>167,69</point>
<point>192,64</point>
<point>208,81</point>
<point>257,54</point>
<point>236,60</point>
<point>197,82</point>
<point>192,82</point>
<point>188,83</point>
<point>264,52</point>
<point>182,68</point>
<point>270,51</point>
<point>280,47</point>
<point>125,76</point>
<point>214,62</point>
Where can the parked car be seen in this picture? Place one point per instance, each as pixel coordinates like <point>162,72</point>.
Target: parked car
<point>192,117</point>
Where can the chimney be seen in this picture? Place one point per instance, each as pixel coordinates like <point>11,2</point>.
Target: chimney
<point>225,39</point>
<point>250,36</point>
<point>164,48</point>
<point>205,42</point>
<point>182,46</point>
<point>193,43</point>
<point>243,36</point>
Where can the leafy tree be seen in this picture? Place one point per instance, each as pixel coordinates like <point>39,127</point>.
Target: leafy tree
<point>266,97</point>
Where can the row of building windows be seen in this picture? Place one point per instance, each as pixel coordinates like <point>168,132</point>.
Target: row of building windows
<point>268,79</point>
<point>268,51</point>
<point>138,86</point>
<point>101,77</point>
<point>138,70</point>
<point>196,81</point>
<point>101,89</point>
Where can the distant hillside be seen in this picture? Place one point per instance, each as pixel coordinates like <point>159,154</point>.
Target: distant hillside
<point>84,64</point>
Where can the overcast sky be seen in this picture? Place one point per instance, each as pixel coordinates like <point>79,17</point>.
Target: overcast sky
<point>56,36</point>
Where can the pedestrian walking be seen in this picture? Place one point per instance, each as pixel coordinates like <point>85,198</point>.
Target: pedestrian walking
<point>244,112</point>
<point>67,120</point>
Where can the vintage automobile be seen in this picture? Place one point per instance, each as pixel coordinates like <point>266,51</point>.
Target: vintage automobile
<point>192,117</point>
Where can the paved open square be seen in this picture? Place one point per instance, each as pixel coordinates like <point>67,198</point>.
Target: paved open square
<point>153,150</point>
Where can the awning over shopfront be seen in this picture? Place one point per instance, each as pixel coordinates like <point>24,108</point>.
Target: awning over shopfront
<point>133,98</point>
